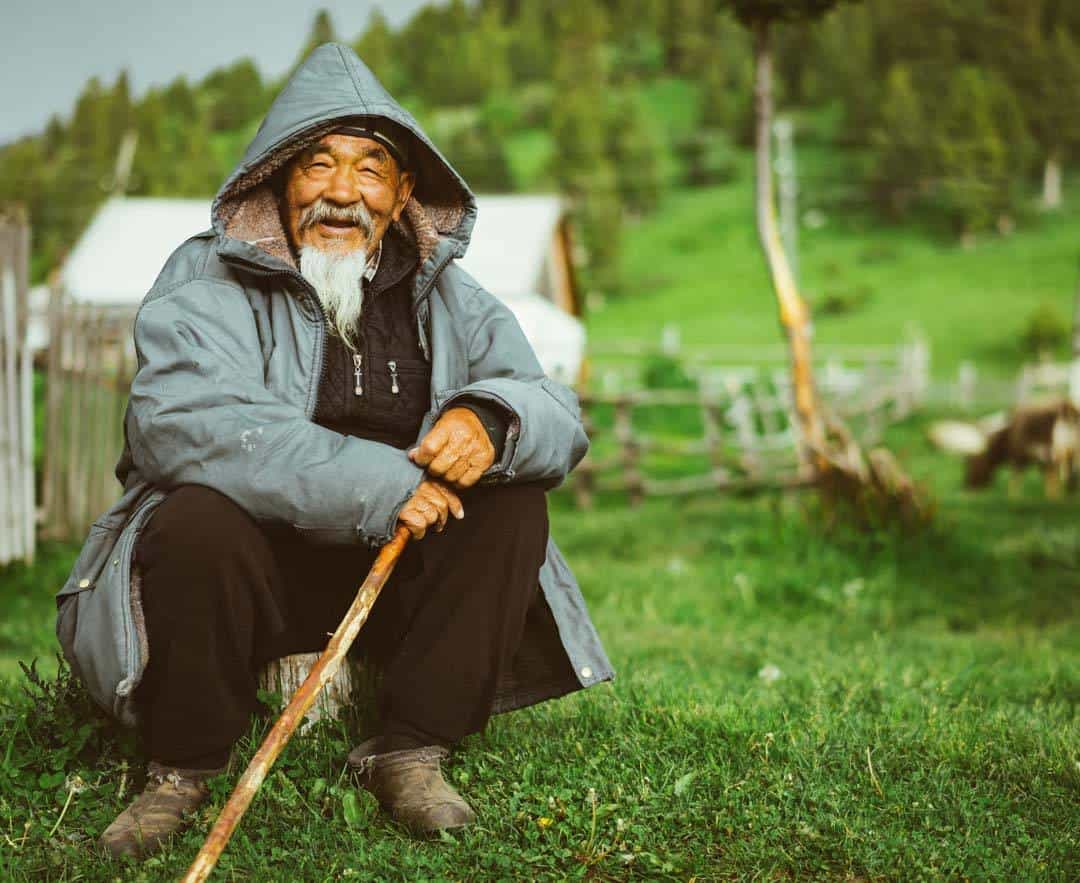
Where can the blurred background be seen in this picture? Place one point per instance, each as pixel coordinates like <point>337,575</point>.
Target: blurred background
<point>921,158</point>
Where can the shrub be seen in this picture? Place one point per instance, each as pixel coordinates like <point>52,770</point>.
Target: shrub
<point>707,157</point>
<point>1046,331</point>
<point>839,301</point>
<point>660,371</point>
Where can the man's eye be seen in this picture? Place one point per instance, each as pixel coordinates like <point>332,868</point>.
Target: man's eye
<point>319,165</point>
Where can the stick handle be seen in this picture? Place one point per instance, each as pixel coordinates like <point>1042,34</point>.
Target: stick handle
<point>323,670</point>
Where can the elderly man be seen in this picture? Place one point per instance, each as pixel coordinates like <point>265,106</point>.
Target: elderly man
<point>313,371</point>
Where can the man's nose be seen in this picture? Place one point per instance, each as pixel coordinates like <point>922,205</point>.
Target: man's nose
<point>341,188</point>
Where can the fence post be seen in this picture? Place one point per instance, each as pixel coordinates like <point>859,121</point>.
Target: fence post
<point>670,340</point>
<point>966,381</point>
<point>628,448</point>
<point>17,512</point>
<point>583,475</point>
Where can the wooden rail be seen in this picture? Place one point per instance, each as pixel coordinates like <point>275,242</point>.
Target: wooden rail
<point>734,431</point>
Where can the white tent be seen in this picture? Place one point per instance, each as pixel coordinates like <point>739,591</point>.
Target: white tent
<point>118,257</point>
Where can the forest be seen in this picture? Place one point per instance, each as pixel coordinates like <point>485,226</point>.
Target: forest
<point>949,114</point>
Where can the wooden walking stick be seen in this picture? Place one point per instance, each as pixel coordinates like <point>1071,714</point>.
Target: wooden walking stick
<point>302,700</point>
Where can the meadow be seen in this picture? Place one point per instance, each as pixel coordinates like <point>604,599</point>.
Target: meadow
<point>796,697</point>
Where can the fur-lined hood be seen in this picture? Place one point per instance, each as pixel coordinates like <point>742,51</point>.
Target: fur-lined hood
<point>331,84</point>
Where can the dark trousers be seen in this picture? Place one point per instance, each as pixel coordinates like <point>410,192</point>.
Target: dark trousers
<point>223,594</point>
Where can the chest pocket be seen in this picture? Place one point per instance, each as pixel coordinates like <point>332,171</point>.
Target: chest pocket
<point>400,385</point>
<point>410,378</point>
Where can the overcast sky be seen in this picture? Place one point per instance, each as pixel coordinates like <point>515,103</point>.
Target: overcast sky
<point>49,49</point>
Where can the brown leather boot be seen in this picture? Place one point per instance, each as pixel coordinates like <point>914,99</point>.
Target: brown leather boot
<point>409,785</point>
<point>158,812</point>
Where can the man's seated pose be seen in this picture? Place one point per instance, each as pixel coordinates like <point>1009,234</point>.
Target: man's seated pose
<point>312,372</point>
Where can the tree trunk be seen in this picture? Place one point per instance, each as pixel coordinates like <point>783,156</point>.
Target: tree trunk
<point>1051,195</point>
<point>794,315</point>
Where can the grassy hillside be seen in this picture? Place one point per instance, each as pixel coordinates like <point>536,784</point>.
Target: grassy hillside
<point>697,264</point>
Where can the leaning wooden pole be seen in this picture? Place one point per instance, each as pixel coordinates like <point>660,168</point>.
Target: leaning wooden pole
<point>794,315</point>
<point>302,700</point>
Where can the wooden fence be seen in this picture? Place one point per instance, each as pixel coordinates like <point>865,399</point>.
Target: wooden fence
<point>733,430</point>
<point>973,391</point>
<point>17,491</point>
<point>91,361</point>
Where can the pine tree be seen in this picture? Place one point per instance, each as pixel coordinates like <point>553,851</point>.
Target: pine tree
<point>726,78</point>
<point>848,65</point>
<point>456,55</point>
<point>236,95</point>
<point>54,137</point>
<point>147,177</point>
<point>902,163</point>
<point>636,27</point>
<point>90,123</point>
<point>1043,69</point>
<point>322,31</point>
<point>689,36</point>
<point>121,115</point>
<point>973,156</point>
<point>179,100</point>
<point>636,151</point>
<point>479,157</point>
<point>1064,121</point>
<point>378,49</point>
<point>582,166</point>
<point>531,46</point>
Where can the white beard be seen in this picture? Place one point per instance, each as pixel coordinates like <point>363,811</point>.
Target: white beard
<point>338,280</point>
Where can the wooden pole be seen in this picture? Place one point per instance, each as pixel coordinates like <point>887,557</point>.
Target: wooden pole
<point>794,315</point>
<point>279,735</point>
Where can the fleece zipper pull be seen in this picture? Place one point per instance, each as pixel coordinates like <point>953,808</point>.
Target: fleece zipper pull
<point>358,374</point>
<point>392,365</point>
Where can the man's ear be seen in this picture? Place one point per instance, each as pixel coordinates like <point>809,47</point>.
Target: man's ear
<point>406,183</point>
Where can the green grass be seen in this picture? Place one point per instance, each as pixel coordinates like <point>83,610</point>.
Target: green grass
<point>796,699</point>
<point>923,724</point>
<point>697,264</point>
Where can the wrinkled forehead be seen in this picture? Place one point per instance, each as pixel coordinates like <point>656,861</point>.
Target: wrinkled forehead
<point>348,149</point>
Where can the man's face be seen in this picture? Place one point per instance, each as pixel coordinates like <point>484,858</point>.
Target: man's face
<point>342,193</point>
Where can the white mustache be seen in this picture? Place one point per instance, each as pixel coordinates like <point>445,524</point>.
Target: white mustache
<point>321,210</point>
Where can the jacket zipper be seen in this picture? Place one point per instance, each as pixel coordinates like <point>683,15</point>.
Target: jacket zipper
<point>358,374</point>
<point>421,330</point>
<point>392,365</point>
<point>314,298</point>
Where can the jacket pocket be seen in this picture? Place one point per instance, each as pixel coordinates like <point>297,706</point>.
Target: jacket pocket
<point>94,621</point>
<point>98,546</point>
<point>406,387</point>
<point>95,552</point>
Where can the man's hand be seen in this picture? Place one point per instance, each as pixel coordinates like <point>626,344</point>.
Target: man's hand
<point>432,503</point>
<point>456,450</point>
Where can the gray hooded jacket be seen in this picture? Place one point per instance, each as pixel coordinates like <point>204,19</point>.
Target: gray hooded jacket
<point>230,344</point>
